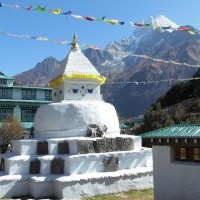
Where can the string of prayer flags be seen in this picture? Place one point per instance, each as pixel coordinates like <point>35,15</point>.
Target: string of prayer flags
<point>151,82</point>
<point>84,46</point>
<point>154,23</point>
<point>39,38</point>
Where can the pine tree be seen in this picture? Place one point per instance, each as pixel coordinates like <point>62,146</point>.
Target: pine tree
<point>154,118</point>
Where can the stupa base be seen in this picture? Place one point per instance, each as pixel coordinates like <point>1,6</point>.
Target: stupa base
<point>76,186</point>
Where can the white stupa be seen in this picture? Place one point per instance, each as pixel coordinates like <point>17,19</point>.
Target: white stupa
<point>62,160</point>
<point>77,101</point>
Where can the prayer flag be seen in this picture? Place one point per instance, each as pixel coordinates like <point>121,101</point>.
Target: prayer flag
<point>89,18</point>
<point>121,23</point>
<point>14,6</point>
<point>131,23</point>
<point>183,29</point>
<point>29,8</point>
<point>56,11</point>
<point>191,32</point>
<point>137,24</point>
<point>1,4</point>
<point>165,27</point>
<point>41,9</point>
<point>77,16</point>
<point>42,38</point>
<point>112,21</point>
<point>67,13</point>
<point>157,27</point>
<point>101,19</point>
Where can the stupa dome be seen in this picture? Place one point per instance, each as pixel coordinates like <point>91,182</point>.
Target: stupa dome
<point>77,101</point>
<point>70,119</point>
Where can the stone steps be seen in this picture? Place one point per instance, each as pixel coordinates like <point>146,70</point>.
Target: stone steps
<point>76,186</point>
<point>76,164</point>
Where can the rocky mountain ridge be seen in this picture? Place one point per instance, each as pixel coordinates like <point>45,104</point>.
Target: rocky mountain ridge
<point>131,93</point>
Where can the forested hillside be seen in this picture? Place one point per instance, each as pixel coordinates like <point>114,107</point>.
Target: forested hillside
<point>181,104</point>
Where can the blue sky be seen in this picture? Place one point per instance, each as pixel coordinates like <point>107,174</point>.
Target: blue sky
<point>18,55</point>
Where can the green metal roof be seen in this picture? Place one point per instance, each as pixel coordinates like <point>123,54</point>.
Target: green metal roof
<point>26,125</point>
<point>24,101</point>
<point>5,77</point>
<point>26,87</point>
<point>31,87</point>
<point>175,131</point>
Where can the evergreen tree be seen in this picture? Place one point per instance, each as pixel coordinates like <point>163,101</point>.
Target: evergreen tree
<point>154,118</point>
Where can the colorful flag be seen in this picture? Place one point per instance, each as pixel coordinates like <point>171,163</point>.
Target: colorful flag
<point>157,27</point>
<point>67,13</point>
<point>42,38</point>
<point>138,24</point>
<point>112,21</point>
<point>100,19</point>
<point>77,16</point>
<point>165,27</point>
<point>1,4</point>
<point>89,18</point>
<point>183,29</point>
<point>41,9</point>
<point>191,32</point>
<point>13,6</point>
<point>121,23</point>
<point>29,8</point>
<point>56,11</point>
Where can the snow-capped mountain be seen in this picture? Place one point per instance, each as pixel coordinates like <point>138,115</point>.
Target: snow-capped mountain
<point>122,62</point>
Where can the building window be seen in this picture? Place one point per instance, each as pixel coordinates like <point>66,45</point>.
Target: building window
<point>5,93</point>
<point>186,140</point>
<point>3,82</point>
<point>5,113</point>
<point>27,115</point>
<point>168,140</point>
<point>191,154</point>
<point>48,95</point>
<point>196,153</point>
<point>183,153</point>
<point>29,94</point>
<point>195,140</point>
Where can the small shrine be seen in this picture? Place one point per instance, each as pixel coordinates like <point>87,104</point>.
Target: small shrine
<point>77,149</point>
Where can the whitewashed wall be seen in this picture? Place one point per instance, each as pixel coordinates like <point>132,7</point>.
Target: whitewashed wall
<point>174,180</point>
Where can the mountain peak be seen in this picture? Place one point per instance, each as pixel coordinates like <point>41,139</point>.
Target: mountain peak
<point>163,22</point>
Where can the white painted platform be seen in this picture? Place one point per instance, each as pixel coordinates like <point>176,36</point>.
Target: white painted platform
<point>76,186</point>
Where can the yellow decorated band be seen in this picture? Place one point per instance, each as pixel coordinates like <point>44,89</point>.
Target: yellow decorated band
<point>54,83</point>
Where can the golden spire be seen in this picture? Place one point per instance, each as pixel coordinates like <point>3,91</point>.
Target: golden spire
<point>74,42</point>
